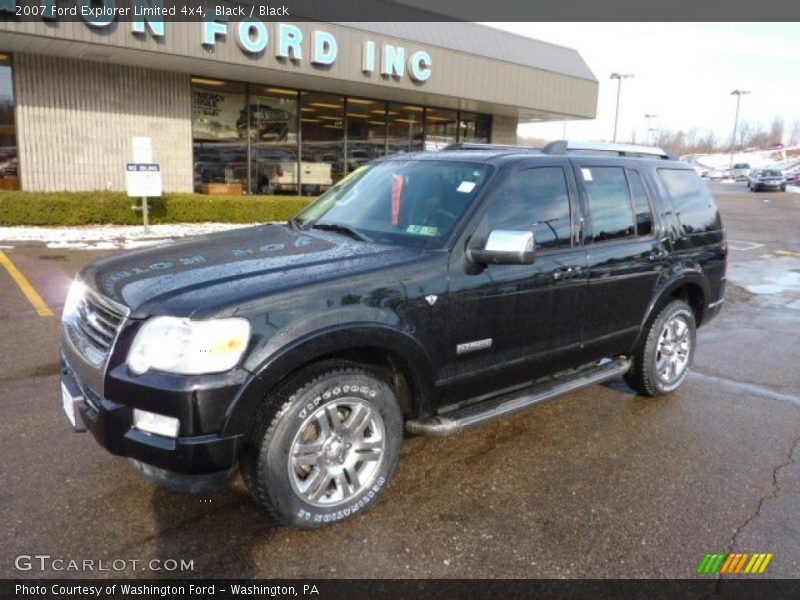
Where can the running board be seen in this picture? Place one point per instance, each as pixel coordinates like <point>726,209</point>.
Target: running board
<point>480,412</point>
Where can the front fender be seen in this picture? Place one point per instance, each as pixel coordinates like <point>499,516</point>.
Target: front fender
<point>282,360</point>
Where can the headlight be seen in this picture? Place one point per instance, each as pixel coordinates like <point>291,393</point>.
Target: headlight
<point>189,347</point>
<point>74,297</point>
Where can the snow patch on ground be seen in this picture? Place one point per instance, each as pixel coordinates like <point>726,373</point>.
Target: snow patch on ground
<point>757,159</point>
<point>795,189</point>
<point>109,237</point>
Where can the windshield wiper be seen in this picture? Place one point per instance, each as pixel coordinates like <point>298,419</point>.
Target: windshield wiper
<point>342,228</point>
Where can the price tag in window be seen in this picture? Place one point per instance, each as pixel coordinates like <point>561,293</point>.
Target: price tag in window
<point>587,174</point>
<point>466,187</point>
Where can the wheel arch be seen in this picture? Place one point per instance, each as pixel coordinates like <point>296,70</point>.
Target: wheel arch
<point>689,286</point>
<point>391,354</point>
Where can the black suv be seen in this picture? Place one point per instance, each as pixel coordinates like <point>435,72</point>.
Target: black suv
<point>426,292</point>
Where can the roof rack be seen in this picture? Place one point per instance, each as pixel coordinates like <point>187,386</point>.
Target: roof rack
<point>566,146</point>
<point>631,150</point>
<point>488,147</point>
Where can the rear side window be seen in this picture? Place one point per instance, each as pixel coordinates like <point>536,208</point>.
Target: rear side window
<point>641,205</point>
<point>693,203</point>
<point>609,203</point>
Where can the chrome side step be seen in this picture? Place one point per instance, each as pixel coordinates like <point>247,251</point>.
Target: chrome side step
<point>474,414</point>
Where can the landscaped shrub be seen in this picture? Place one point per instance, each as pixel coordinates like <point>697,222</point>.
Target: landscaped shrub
<point>83,208</point>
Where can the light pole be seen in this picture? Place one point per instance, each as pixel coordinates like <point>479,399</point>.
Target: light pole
<point>619,77</point>
<point>738,94</point>
<point>649,123</point>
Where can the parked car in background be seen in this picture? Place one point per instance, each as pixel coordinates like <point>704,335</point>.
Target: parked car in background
<point>740,171</point>
<point>766,179</point>
<point>793,178</point>
<point>717,174</point>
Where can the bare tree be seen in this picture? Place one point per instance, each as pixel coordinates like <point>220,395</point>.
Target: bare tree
<point>776,131</point>
<point>746,132</point>
<point>794,134</point>
<point>691,137</point>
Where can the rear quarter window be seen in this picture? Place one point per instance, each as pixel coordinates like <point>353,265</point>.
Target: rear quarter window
<point>691,201</point>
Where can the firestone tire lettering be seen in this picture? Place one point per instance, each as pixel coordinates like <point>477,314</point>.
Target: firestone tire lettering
<point>265,459</point>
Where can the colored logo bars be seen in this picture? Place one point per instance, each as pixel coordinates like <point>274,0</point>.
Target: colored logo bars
<point>734,563</point>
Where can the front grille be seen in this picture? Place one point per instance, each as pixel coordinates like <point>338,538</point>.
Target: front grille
<point>97,320</point>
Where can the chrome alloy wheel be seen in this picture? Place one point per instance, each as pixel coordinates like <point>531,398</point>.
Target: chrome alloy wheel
<point>337,452</point>
<point>674,347</point>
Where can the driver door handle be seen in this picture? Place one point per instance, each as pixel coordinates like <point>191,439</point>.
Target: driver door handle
<point>658,254</point>
<point>566,272</point>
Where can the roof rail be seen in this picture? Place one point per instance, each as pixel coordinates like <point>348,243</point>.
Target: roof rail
<point>565,146</point>
<point>475,146</point>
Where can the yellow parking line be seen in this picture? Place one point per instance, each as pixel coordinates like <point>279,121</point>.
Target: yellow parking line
<point>30,293</point>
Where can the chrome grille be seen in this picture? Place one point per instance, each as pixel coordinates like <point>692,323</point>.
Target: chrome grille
<point>97,320</point>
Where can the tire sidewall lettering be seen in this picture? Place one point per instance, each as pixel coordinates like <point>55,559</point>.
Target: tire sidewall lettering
<point>300,407</point>
<point>338,514</point>
<point>354,388</point>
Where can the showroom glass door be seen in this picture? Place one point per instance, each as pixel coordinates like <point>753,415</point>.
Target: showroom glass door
<point>219,136</point>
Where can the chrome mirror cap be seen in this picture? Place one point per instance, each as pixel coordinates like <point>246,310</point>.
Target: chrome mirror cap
<point>505,247</point>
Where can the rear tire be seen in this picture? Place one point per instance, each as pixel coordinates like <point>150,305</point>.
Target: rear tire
<point>662,360</point>
<point>324,447</point>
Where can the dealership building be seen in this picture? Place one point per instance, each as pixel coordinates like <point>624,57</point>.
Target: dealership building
<point>263,107</point>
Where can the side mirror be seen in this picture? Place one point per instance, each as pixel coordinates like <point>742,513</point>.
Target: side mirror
<point>504,247</point>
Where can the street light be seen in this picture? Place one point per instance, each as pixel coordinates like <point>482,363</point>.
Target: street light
<point>738,94</point>
<point>649,123</point>
<point>619,77</point>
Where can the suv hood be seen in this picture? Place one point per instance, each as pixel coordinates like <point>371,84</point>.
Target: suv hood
<point>209,271</point>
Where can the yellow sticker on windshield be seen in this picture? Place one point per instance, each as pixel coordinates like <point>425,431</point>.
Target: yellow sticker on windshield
<point>422,230</point>
<point>350,175</point>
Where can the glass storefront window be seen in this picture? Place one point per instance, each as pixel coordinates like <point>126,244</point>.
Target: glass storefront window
<point>322,148</point>
<point>440,128</point>
<point>474,128</point>
<point>405,128</point>
<point>366,131</point>
<point>248,138</point>
<point>219,135</point>
<point>9,162</point>
<point>273,140</point>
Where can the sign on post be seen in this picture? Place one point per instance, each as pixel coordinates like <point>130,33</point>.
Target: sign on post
<point>142,149</point>
<point>143,181</point>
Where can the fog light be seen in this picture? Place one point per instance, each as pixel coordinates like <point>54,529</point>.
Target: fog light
<point>157,424</point>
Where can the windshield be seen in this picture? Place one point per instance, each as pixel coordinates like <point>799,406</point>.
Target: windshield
<point>770,173</point>
<point>410,203</point>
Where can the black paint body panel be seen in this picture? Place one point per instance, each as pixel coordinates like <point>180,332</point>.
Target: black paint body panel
<point>309,294</point>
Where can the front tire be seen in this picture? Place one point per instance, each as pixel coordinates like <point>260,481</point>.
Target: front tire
<point>325,448</point>
<point>663,358</point>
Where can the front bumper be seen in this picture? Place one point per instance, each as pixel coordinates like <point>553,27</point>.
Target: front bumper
<point>111,424</point>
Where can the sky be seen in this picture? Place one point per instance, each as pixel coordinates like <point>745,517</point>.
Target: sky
<point>683,72</point>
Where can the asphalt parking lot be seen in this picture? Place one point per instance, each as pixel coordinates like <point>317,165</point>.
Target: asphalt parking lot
<point>600,483</point>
